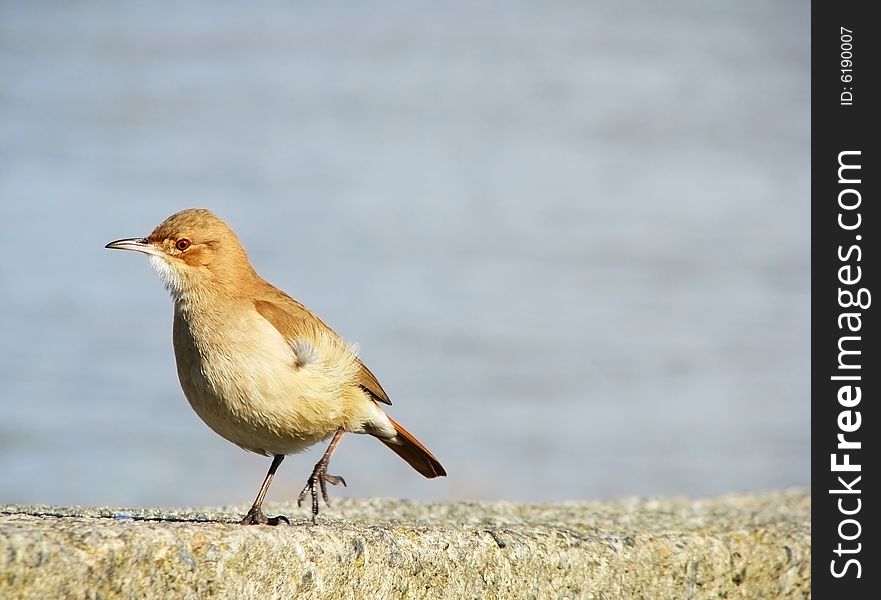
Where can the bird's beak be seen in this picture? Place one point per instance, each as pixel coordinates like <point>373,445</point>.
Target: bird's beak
<point>136,244</point>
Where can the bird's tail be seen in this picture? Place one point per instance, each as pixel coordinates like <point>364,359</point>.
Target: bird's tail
<point>410,449</point>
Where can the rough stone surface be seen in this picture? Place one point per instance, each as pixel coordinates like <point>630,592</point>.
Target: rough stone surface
<point>741,546</point>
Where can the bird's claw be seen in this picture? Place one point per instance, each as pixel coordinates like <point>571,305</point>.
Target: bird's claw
<point>256,517</point>
<point>318,481</point>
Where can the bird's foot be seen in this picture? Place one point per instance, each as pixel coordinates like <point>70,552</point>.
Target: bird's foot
<point>318,481</point>
<point>255,516</point>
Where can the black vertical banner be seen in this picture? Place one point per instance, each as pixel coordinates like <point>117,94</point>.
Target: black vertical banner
<point>845,227</point>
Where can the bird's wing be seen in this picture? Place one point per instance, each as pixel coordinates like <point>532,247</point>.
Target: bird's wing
<point>293,321</point>
<point>369,382</point>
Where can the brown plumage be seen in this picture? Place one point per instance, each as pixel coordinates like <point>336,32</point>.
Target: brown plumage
<point>256,365</point>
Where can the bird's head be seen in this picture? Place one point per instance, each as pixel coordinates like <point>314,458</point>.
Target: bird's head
<point>194,251</point>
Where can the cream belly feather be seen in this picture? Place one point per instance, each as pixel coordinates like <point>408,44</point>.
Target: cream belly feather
<point>266,395</point>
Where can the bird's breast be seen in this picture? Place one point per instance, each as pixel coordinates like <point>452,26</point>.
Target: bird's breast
<point>258,390</point>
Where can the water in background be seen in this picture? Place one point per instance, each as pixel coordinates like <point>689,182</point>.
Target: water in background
<point>572,240</point>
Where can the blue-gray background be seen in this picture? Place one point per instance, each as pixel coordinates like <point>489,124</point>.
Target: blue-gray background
<point>571,239</point>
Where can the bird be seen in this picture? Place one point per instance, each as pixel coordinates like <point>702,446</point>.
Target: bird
<point>257,366</point>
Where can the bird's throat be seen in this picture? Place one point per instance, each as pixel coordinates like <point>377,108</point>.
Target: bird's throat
<point>172,280</point>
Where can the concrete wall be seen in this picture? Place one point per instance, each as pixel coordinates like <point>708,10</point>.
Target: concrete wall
<point>744,546</point>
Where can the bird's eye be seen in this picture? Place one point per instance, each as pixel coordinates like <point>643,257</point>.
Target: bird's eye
<point>182,244</point>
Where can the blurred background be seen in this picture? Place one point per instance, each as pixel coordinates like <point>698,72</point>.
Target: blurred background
<point>571,239</point>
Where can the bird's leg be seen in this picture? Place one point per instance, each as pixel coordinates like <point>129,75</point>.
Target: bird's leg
<point>255,516</point>
<point>320,477</point>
